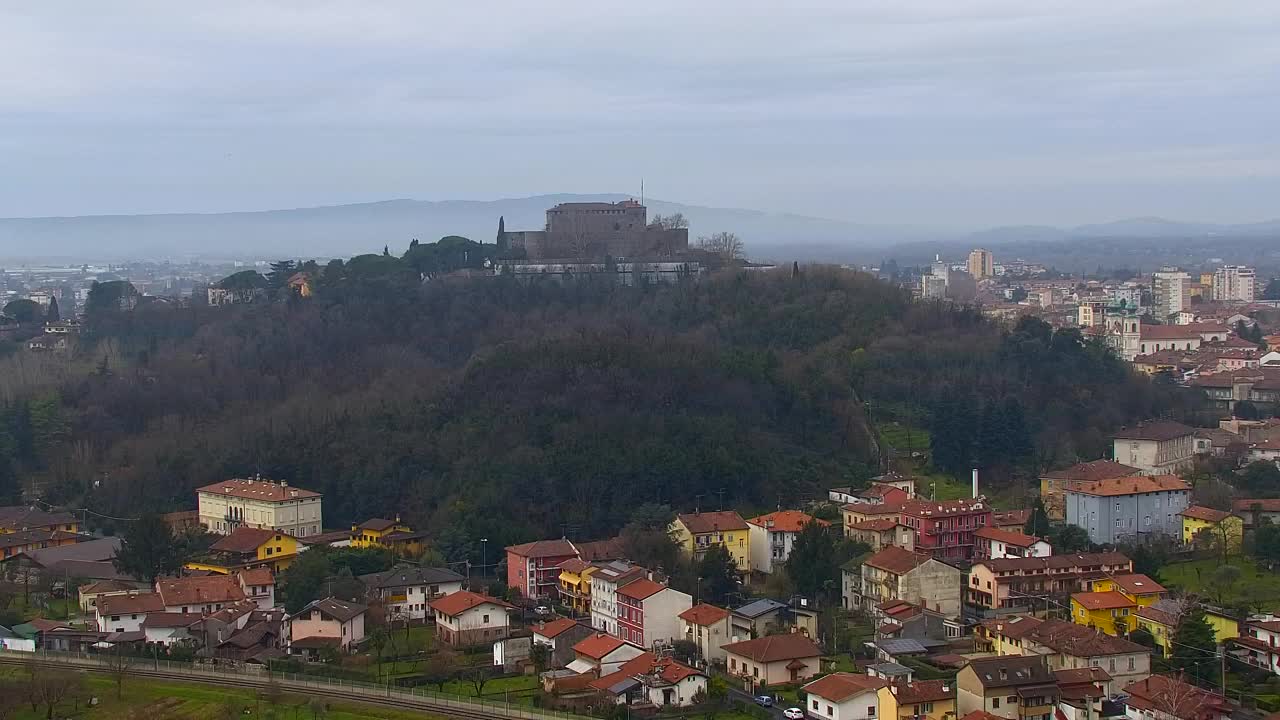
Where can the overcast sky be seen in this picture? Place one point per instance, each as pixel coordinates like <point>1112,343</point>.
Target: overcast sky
<point>957,113</point>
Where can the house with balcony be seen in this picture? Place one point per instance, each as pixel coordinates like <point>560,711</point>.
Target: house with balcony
<point>258,503</point>
<point>881,533</point>
<point>1158,447</point>
<point>258,585</point>
<point>648,613</point>
<point>1010,687</point>
<point>467,619</point>
<point>328,622</point>
<point>994,543</point>
<point>646,683</point>
<point>534,568</point>
<point>771,536</point>
<point>602,654</point>
<point>606,580</point>
<point>855,514</point>
<point>1161,697</point>
<point>575,586</point>
<point>709,628</point>
<point>407,591</point>
<point>392,535</point>
<point>946,529</point>
<point>1018,585</point>
<point>844,696</point>
<point>1260,386</point>
<point>1258,644</point>
<point>773,660</point>
<point>917,578</point>
<point>245,548</point>
<point>1129,508</point>
<point>695,533</point>
<point>1068,646</point>
<point>918,700</point>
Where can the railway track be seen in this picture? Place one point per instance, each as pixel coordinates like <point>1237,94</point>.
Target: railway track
<point>390,697</point>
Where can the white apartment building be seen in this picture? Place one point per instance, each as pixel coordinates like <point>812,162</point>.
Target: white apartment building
<point>258,503</point>
<point>605,582</point>
<point>1235,283</point>
<point>1171,288</point>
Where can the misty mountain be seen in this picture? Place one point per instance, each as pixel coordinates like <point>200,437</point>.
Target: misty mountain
<point>1139,227</point>
<point>343,230</point>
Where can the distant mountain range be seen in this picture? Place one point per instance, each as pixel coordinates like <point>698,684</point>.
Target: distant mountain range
<point>343,230</point>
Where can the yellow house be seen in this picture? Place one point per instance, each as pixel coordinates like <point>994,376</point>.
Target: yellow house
<point>1224,626</point>
<point>246,548</point>
<point>695,533</point>
<point>390,534</point>
<point>919,700</point>
<point>575,584</point>
<point>1139,588</point>
<point>1111,612</point>
<point>1161,625</point>
<point>19,518</point>
<point>1222,526</point>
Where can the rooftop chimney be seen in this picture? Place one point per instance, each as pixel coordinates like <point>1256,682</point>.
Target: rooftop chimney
<point>975,483</point>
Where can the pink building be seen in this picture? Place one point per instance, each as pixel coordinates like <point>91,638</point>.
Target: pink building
<point>533,567</point>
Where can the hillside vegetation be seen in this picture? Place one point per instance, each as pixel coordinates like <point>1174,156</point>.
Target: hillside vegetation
<point>488,408</point>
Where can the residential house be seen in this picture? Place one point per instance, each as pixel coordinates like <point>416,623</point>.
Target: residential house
<point>1053,485</point>
<point>905,621</point>
<point>1081,693</point>
<point>1110,612</point>
<point>844,696</point>
<point>21,517</point>
<point>1013,585</point>
<point>1139,588</point>
<point>992,544</point>
<point>560,636</point>
<point>257,503</point>
<point>1129,508</point>
<point>1162,623</point>
<point>1255,511</point>
<point>260,639</point>
<point>602,654</point>
<point>249,547</point>
<point>1260,386</point>
<point>1010,687</point>
<point>882,533</point>
<point>1219,527</point>
<point>774,660</point>
<point>258,585</point>
<point>877,493</point>
<point>897,574</point>
<point>19,542</point>
<point>467,619</point>
<point>126,613</point>
<point>390,534</point>
<point>1068,646</point>
<point>199,595</point>
<point>210,630</point>
<point>1225,623</point>
<point>90,592</point>
<point>771,536</point>
<point>1160,447</point>
<point>649,682</point>
<point>605,582</point>
<point>855,514</point>
<point>648,613</point>
<point>1014,520</point>
<point>328,622</point>
<point>1161,697</point>
<point>1258,644</point>
<point>918,700</point>
<point>708,627</point>
<point>905,483</point>
<point>407,591</point>
<point>695,533</point>
<point>89,560</point>
<point>575,585</point>
<point>946,529</point>
<point>757,618</point>
<point>533,568</point>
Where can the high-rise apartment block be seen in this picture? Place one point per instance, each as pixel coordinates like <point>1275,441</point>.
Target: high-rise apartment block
<point>982,264</point>
<point>1235,283</point>
<point>1171,289</point>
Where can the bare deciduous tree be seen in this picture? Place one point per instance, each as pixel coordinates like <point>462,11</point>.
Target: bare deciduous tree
<point>675,221</point>
<point>48,687</point>
<point>725,244</point>
<point>119,663</point>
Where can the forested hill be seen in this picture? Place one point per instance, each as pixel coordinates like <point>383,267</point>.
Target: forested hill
<point>487,408</point>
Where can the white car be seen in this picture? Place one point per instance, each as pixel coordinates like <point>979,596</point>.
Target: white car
<point>793,714</point>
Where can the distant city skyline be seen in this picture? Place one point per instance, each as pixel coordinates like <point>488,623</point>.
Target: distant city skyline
<point>924,113</point>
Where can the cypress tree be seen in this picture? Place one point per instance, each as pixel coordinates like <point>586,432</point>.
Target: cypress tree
<point>1194,647</point>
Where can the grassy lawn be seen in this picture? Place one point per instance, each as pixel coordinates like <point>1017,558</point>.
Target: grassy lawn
<point>157,700</point>
<point>904,438</point>
<point>1256,586</point>
<point>495,687</point>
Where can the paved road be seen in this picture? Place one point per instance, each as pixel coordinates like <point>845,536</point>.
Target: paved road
<point>744,696</point>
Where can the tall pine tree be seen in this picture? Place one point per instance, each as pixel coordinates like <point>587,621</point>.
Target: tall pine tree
<point>1194,647</point>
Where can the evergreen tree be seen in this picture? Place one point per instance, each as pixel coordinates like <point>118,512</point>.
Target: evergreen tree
<point>1038,524</point>
<point>717,575</point>
<point>502,233</point>
<point>281,271</point>
<point>1194,647</point>
<point>812,563</point>
<point>149,550</point>
<point>55,315</point>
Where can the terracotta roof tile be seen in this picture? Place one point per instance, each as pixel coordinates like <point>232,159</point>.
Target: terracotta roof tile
<point>699,523</point>
<point>1008,537</point>
<point>264,490</point>
<point>773,648</point>
<point>598,646</point>
<point>555,628</point>
<point>1137,584</point>
<point>459,602</point>
<point>1159,430</point>
<point>641,589</point>
<point>1130,485</point>
<point>1093,470</point>
<point>1200,512</point>
<point>704,614</point>
<point>244,540</point>
<point>785,521</point>
<point>1102,600</point>
<point>839,686</point>
<point>896,560</point>
<point>199,590</point>
<point>544,548</point>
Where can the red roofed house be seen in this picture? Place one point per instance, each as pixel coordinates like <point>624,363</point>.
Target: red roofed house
<point>199,595</point>
<point>946,528</point>
<point>533,567</point>
<point>464,619</point>
<point>649,680</point>
<point>1165,698</point>
<point>560,635</point>
<point>649,612</point>
<point>126,613</point>
<point>881,533</point>
<point>1159,447</point>
<point>326,623</point>
<point>602,654</point>
<point>993,543</point>
<point>257,503</point>
<point>770,536</point>
<point>259,585</point>
<point>1258,645</point>
<point>844,696</point>
<point>1255,511</point>
<point>774,659</point>
<point>1053,484</point>
<point>897,574</point>
<point>709,627</point>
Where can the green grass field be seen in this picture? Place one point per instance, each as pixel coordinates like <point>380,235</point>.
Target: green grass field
<point>1256,587</point>
<point>158,700</point>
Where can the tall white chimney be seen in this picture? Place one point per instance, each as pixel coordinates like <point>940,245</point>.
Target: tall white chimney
<point>975,483</point>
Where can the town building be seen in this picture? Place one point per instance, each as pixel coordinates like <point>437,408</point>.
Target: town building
<point>14,518</point>
<point>597,230</point>
<point>1161,697</point>
<point>771,536</point>
<point>248,547</point>
<point>898,574</point>
<point>575,585</point>
<point>1053,484</point>
<point>407,591</point>
<point>327,623</point>
<point>1010,687</point>
<point>882,533</point>
<point>646,682</point>
<point>607,579</point>
<point>981,263</point>
<point>559,636</point>
<point>1171,291</point>
<point>945,528</point>
<point>695,533</point>
<point>602,654</point>
<point>1160,447</point>
<point>844,696</point>
<point>1235,283</point>
<point>1260,386</point>
<point>1218,527</point>
<point>199,595</point>
<point>389,534</point>
<point>759,617</point>
<point>918,700</point>
<point>1069,646</point>
<point>1161,620</point>
<point>126,612</point>
<point>1258,644</point>
<point>257,503</point>
<point>993,544</point>
<point>1018,585</point>
<point>648,613</point>
<point>856,513</point>
<point>708,627</point>
<point>1255,511</point>
<point>1129,508</point>
<point>774,660</point>
<point>534,567</point>
<point>258,585</point>
<point>467,619</point>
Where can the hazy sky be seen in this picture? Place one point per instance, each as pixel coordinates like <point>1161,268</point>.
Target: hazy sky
<point>938,112</point>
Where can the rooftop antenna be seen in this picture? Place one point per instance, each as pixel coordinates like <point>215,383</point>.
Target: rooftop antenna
<point>642,191</point>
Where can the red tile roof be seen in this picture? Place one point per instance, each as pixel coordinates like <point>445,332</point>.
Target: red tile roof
<point>574,565</point>
<point>1102,600</point>
<point>640,589</point>
<point>1157,615</point>
<point>148,602</point>
<point>1131,486</point>
<point>244,540</point>
<point>839,686</point>
<point>1200,512</point>
<point>877,525</point>
<point>1053,562</point>
<point>1137,584</point>
<point>554,628</point>
<point>1245,505</point>
<point>699,523</point>
<point>264,490</point>
<point>257,576</point>
<point>772,648</point>
<point>1155,430</point>
<point>944,508</point>
<point>704,614</point>
<point>544,548</point>
<point>896,560</point>
<point>785,521</point>
<point>459,602</point>
<point>1093,470</point>
<point>199,590</point>
<point>1004,518</point>
<point>1008,537</point>
<point>598,646</point>
<point>922,691</point>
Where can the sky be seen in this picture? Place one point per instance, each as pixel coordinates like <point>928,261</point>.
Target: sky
<point>923,112</point>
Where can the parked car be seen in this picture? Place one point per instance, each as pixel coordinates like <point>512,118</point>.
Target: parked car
<point>542,610</point>
<point>764,700</point>
<point>793,714</point>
